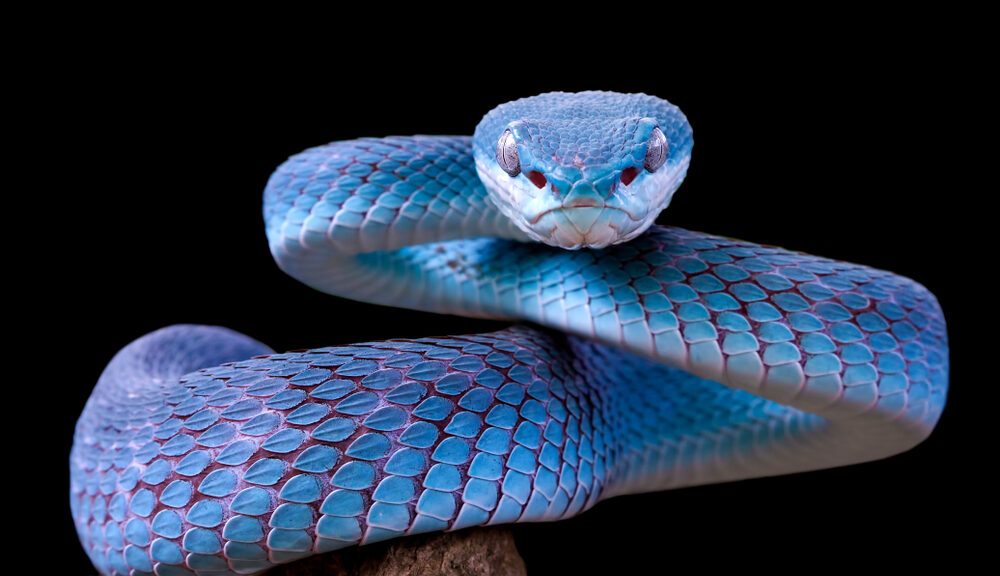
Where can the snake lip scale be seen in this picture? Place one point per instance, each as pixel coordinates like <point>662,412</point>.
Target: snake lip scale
<point>663,358</point>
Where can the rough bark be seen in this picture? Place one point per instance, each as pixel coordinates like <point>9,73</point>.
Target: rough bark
<point>477,552</point>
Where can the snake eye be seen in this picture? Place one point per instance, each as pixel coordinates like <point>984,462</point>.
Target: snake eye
<point>656,150</point>
<point>507,154</point>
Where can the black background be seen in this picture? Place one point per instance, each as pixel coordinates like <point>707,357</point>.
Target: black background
<point>148,167</point>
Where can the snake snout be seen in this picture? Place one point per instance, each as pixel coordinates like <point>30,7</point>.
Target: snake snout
<point>583,195</point>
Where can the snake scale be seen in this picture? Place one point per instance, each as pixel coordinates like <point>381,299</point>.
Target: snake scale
<point>650,358</point>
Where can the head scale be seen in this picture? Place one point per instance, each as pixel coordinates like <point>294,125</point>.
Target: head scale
<point>579,170</point>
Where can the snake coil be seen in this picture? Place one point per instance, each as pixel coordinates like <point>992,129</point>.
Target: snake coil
<point>654,357</point>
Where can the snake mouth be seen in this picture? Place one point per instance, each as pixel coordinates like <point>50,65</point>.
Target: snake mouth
<point>567,210</point>
<point>583,227</point>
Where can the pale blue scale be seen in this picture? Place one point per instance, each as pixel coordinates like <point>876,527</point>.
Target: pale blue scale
<point>550,456</point>
<point>490,378</point>
<point>502,416</point>
<point>804,322</point>
<point>345,503</point>
<point>289,540</point>
<point>437,504</point>
<point>138,558</point>
<point>479,399</point>
<point>142,502</point>
<point>471,364</point>
<point>201,420</point>
<point>178,445</point>
<point>251,502</point>
<point>904,331</point>
<point>721,301</point>
<point>522,460</point>
<point>267,387</point>
<point>891,363</point>
<point>265,472</point>
<point>790,302</point>
<point>317,459</point>
<point>692,312</point>
<point>891,310</point>
<point>382,379</point>
<point>219,483</point>
<point>166,523</point>
<point>202,541</point>
<point>739,342</point>
<point>773,282</point>
<point>163,432</point>
<point>443,477</point>
<point>354,476</point>
<point>486,467</point>
<point>419,435</point>
<point>261,425</point>
<point>166,551</point>
<point>434,408</point>
<point>371,446</point>
<point>237,453</point>
<point>205,513</point>
<point>357,404</point>
<point>882,342</point>
<point>845,332</point>
<point>817,343</point>
<point>241,529</point>
<point>464,424</point>
<point>334,430</point>
<point>451,450</point>
<point>303,488</point>
<point>470,515</point>
<point>406,394</point>
<point>136,532</point>
<point>854,301</point>
<point>426,371</point>
<point>534,411</point>
<point>156,472</point>
<point>292,517</point>
<point>340,528</point>
<point>386,419</point>
<point>284,441</point>
<point>815,291</point>
<point>389,516</point>
<point>699,332</point>
<point>242,410</point>
<point>394,490</point>
<point>308,414</point>
<point>406,462</point>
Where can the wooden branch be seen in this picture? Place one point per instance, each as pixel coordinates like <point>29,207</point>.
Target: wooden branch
<point>475,552</point>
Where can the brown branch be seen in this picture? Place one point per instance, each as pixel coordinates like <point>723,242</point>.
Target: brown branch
<point>476,552</point>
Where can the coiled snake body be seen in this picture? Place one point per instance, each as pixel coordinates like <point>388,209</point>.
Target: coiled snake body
<point>656,358</point>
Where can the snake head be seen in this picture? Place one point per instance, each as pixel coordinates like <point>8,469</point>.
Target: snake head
<point>588,169</point>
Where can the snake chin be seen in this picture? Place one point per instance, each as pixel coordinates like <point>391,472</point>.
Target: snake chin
<point>586,227</point>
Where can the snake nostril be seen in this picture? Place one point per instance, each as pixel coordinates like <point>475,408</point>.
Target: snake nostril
<point>629,174</point>
<point>537,178</point>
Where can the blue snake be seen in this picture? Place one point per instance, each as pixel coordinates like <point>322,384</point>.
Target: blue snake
<point>647,358</point>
